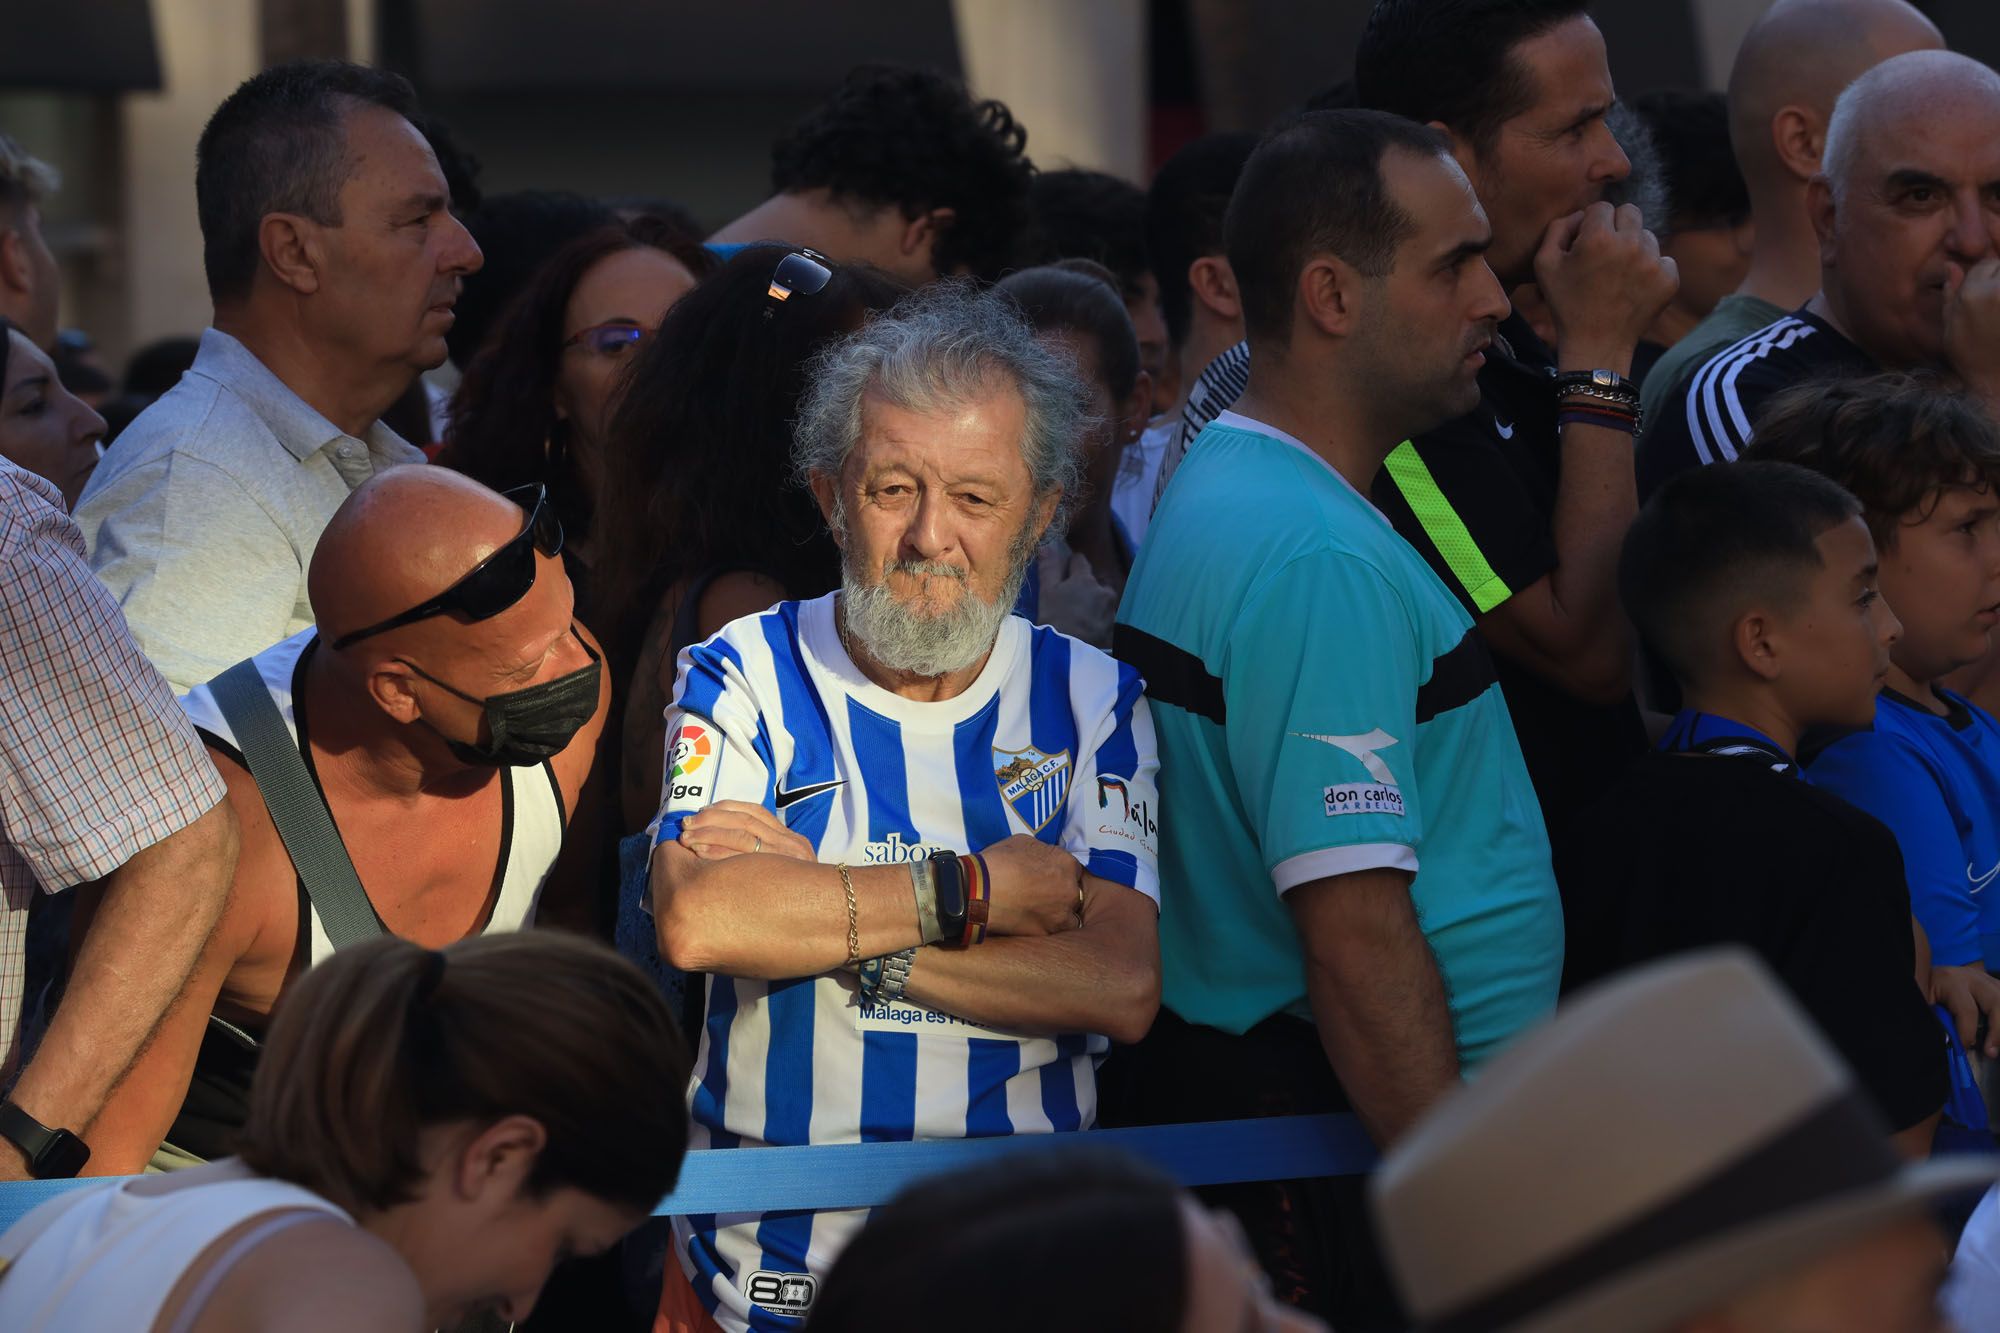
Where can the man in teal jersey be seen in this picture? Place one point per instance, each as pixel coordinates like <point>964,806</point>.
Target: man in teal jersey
<point>1367,905</point>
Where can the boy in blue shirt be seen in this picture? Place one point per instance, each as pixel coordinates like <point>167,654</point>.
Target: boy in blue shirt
<point>1923,461</point>
<point>1755,583</point>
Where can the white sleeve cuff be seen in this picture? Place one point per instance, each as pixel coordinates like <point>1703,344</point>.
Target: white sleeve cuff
<point>1330,861</point>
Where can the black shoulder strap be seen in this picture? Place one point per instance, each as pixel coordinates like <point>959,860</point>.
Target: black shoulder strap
<point>296,805</point>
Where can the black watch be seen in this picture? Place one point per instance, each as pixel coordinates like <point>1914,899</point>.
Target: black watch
<point>53,1154</point>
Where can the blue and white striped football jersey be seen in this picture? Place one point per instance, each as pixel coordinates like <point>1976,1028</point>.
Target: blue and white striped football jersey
<point>1053,739</point>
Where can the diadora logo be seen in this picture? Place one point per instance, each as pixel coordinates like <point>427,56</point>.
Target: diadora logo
<point>781,1293</point>
<point>894,851</point>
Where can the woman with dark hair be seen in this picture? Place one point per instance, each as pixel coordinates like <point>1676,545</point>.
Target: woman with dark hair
<point>698,518</point>
<point>430,1133</point>
<point>535,401</point>
<point>44,428</point>
<point>1059,1240</point>
<point>1078,576</point>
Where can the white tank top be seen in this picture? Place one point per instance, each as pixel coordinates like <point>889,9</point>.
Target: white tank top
<point>108,1257</point>
<point>532,813</point>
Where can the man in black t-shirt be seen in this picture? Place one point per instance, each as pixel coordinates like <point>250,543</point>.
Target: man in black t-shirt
<point>1756,584</point>
<point>1904,209</point>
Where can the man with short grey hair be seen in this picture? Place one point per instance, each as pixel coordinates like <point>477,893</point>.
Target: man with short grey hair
<point>910,837</point>
<point>334,261</point>
<point>1909,256</point>
<point>29,283</point>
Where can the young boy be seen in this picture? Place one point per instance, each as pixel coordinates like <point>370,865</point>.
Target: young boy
<point>1755,584</point>
<point>1924,463</point>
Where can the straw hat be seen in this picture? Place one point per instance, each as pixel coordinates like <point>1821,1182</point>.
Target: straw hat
<point>1675,1136</point>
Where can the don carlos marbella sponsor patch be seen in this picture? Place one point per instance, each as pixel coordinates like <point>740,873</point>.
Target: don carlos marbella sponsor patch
<point>1366,798</point>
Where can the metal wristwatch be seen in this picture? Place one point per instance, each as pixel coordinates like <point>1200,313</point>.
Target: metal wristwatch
<point>53,1154</point>
<point>895,975</point>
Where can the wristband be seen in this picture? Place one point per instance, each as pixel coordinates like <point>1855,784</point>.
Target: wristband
<point>1610,402</point>
<point>923,883</point>
<point>1603,418</point>
<point>978,898</point>
<point>951,896</point>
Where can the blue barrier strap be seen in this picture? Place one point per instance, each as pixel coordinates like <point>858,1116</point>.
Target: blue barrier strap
<point>862,1175</point>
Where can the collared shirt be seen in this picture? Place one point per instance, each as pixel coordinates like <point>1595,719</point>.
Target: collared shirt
<point>202,519</point>
<point>1053,739</point>
<point>97,761</point>
<point>1324,706</point>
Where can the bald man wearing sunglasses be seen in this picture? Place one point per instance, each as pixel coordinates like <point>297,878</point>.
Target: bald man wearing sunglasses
<point>446,709</point>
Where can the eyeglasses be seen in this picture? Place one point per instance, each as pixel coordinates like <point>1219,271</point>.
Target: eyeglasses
<point>799,273</point>
<point>495,583</point>
<point>611,340</point>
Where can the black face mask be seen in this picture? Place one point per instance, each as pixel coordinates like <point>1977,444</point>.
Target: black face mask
<point>530,725</point>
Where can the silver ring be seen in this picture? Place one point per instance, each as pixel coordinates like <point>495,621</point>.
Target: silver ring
<point>757,846</point>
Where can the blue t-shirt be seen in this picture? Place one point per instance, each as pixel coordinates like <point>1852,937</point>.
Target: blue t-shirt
<point>1935,781</point>
<point>1324,706</point>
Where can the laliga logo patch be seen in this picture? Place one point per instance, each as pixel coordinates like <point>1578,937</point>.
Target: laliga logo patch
<point>690,751</point>
<point>1032,782</point>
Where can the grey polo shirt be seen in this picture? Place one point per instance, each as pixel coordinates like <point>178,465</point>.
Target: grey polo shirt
<point>203,516</point>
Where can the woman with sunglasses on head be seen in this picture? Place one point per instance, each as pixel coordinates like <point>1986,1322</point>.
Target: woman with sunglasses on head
<point>699,517</point>
<point>431,1133</point>
<point>535,401</point>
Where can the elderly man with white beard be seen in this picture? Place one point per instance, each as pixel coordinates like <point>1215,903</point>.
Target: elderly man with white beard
<point>910,838</point>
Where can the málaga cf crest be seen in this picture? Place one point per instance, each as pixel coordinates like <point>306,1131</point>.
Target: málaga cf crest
<point>1032,782</point>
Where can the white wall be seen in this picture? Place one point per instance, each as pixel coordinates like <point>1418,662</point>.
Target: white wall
<point>207,47</point>
<point>1073,73</point>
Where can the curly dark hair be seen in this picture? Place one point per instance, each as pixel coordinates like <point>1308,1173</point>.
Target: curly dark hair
<point>698,456</point>
<point>504,431</point>
<point>1897,442</point>
<point>916,139</point>
<point>517,232</point>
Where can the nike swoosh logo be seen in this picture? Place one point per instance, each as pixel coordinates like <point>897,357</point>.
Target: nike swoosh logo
<point>1506,430</point>
<point>1979,882</point>
<point>785,798</point>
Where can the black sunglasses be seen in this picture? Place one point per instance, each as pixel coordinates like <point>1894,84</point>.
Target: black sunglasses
<point>495,583</point>
<point>799,273</point>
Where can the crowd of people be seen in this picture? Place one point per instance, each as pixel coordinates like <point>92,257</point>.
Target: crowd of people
<point>1471,608</point>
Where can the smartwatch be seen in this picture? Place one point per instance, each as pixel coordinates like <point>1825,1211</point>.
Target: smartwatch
<point>53,1154</point>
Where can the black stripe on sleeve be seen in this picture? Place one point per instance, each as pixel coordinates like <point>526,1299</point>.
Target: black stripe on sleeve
<point>1173,675</point>
<point>1457,678</point>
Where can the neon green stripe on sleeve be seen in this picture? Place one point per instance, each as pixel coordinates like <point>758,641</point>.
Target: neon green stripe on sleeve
<point>1446,529</point>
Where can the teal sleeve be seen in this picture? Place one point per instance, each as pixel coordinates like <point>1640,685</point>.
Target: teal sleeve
<point>1320,687</point>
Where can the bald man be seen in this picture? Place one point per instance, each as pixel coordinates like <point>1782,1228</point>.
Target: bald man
<point>1908,236</point>
<point>1791,67</point>
<point>447,708</point>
